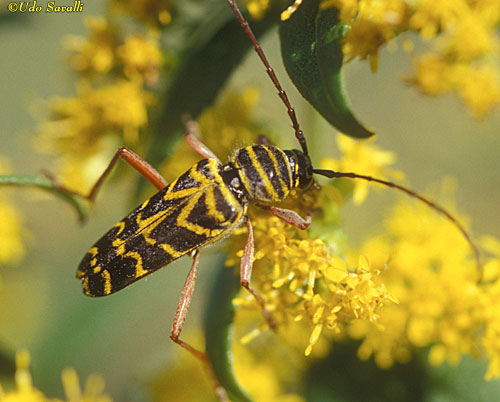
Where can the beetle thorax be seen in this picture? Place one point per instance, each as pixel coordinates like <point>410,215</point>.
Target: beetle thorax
<point>269,173</point>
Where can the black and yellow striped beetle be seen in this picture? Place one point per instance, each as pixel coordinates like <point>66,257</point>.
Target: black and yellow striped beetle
<point>202,206</point>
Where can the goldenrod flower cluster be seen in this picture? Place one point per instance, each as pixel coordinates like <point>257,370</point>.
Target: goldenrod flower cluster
<point>104,49</point>
<point>301,279</point>
<point>430,269</point>
<point>116,74</point>
<point>461,38</point>
<point>26,392</point>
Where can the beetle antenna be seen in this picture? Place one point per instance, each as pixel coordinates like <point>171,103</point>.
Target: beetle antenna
<point>282,94</point>
<point>331,174</point>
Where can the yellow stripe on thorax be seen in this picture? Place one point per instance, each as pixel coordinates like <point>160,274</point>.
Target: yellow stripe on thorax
<point>243,177</point>
<point>284,187</point>
<point>265,179</point>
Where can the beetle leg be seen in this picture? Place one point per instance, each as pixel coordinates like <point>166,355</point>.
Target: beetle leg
<point>183,307</point>
<point>289,216</point>
<point>246,273</point>
<point>134,160</point>
<point>192,137</point>
<point>178,324</point>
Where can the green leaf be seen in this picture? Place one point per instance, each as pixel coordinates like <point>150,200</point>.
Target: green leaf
<point>218,332</point>
<point>20,180</point>
<point>312,54</point>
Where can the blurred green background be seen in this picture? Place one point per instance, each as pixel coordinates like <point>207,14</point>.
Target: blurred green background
<point>126,336</point>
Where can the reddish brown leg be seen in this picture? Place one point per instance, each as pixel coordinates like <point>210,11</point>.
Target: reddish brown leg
<point>183,308</point>
<point>178,324</point>
<point>134,160</point>
<point>246,273</point>
<point>289,216</point>
<point>192,137</point>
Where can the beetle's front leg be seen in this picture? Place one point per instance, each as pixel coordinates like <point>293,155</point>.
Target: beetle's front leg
<point>246,273</point>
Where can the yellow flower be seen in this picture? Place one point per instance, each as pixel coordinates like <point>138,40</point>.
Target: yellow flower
<point>257,8</point>
<point>104,51</point>
<point>86,130</point>
<point>480,88</point>
<point>489,307</point>
<point>95,54</point>
<point>431,271</point>
<point>260,377</point>
<point>141,57</point>
<point>363,158</point>
<point>12,247</point>
<point>93,391</point>
<point>154,13</point>
<point>434,75</point>
<point>477,85</point>
<point>285,15</point>
<point>25,392</point>
<point>375,24</point>
<point>12,234</point>
<point>429,17</point>
<point>471,38</point>
<point>348,9</point>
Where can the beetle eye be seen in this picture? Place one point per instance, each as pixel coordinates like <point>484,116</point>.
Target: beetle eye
<point>235,182</point>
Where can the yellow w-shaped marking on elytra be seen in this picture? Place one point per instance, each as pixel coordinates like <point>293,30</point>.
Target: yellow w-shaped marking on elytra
<point>193,227</point>
<point>186,192</point>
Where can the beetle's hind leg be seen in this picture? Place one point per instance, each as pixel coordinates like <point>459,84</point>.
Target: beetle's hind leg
<point>178,324</point>
<point>246,273</point>
<point>134,160</point>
